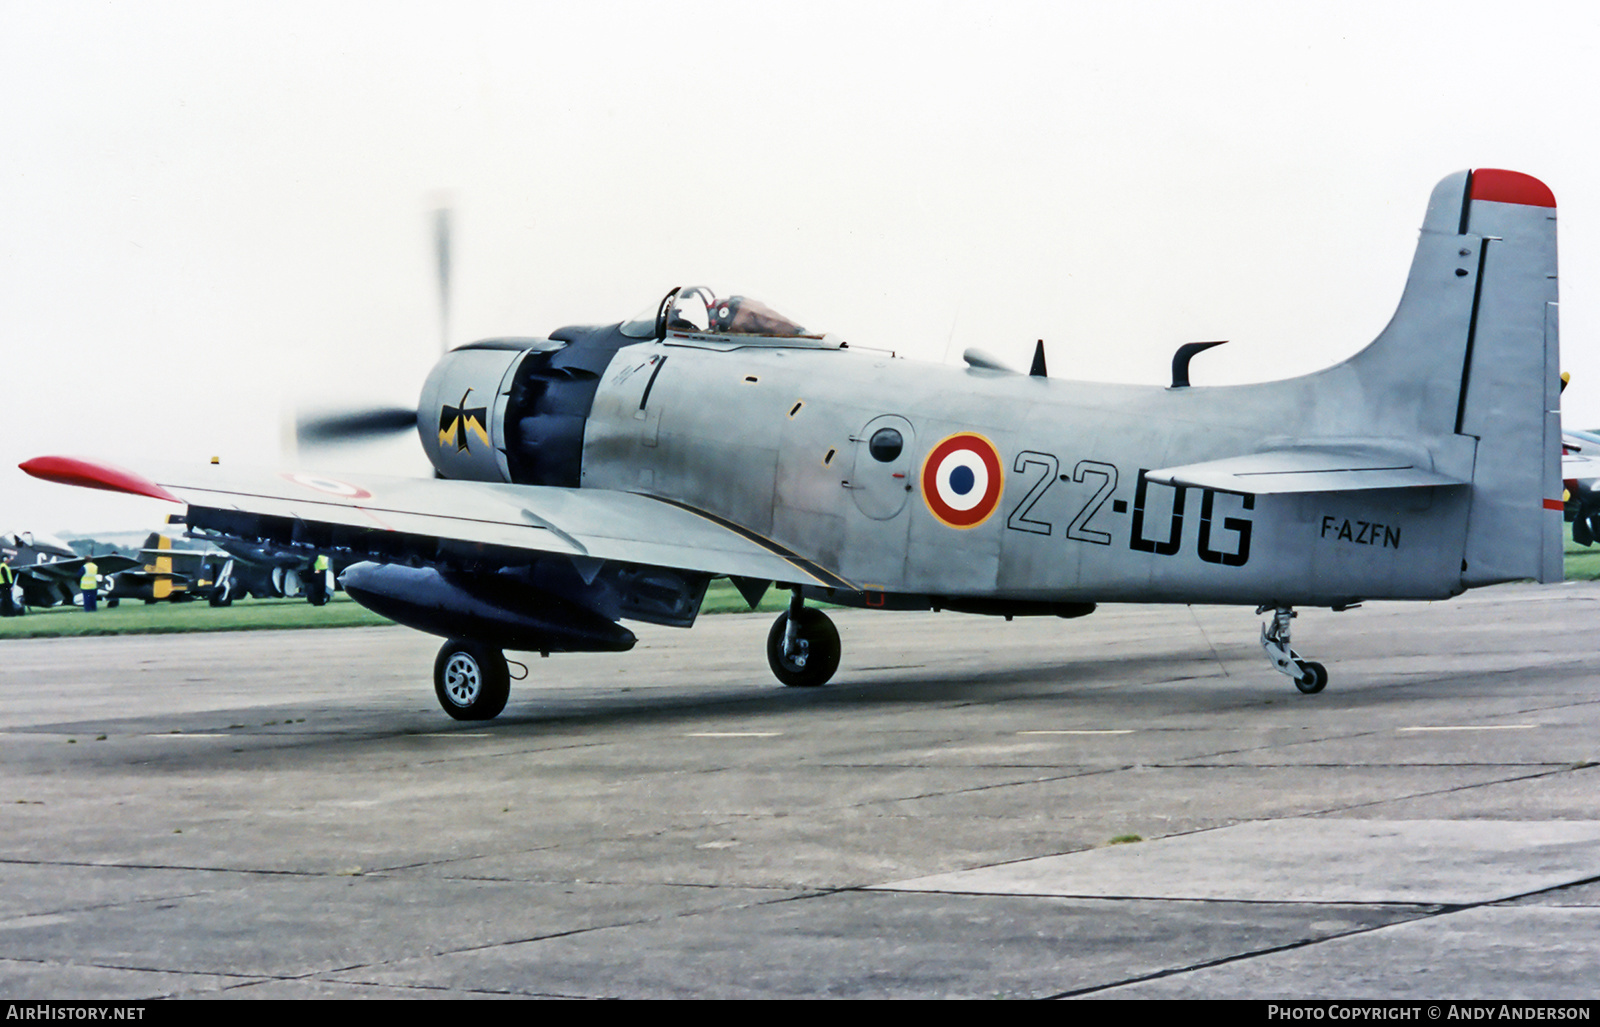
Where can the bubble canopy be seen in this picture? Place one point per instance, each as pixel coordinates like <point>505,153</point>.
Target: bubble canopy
<point>698,310</point>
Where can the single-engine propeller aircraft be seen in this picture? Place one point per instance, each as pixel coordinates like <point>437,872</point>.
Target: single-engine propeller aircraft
<point>48,571</point>
<point>607,473</point>
<point>1580,469</point>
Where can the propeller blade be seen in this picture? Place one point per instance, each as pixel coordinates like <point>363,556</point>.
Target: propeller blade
<point>441,251</point>
<point>351,426</point>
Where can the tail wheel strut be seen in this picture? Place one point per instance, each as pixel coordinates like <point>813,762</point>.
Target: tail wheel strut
<point>1309,676</point>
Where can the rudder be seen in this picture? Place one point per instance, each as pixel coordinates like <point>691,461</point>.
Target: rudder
<point>1511,387</point>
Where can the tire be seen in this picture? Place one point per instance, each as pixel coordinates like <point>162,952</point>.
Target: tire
<point>1314,679</point>
<point>470,680</point>
<point>821,650</point>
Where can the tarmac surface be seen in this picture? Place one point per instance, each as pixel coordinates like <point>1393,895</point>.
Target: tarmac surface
<point>291,815</point>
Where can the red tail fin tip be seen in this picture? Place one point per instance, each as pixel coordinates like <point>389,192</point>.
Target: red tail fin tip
<point>1511,187</point>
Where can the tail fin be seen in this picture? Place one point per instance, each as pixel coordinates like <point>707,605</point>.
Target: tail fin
<point>1511,389</point>
<point>1470,363</point>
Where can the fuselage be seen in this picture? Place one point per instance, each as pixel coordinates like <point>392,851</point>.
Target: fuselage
<point>1005,485</point>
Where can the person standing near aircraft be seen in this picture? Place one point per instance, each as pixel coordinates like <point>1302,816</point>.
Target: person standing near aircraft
<point>90,584</point>
<point>317,585</point>
<point>8,579</point>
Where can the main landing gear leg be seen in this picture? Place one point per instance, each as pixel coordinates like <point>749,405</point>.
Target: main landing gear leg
<point>803,645</point>
<point>1308,675</point>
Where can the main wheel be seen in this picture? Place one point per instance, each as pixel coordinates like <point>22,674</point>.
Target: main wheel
<point>818,655</point>
<point>471,680</point>
<point>1313,677</point>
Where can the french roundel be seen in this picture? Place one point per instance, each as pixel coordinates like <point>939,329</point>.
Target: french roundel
<point>332,486</point>
<point>962,479</point>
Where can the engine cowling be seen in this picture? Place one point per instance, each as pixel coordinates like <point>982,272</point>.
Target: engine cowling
<point>461,415</point>
<point>514,410</point>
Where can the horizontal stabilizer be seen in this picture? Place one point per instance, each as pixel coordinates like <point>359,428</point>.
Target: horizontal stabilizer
<point>1345,468</point>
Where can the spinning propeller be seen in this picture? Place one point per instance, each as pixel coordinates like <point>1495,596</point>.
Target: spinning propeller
<point>354,425</point>
<point>381,422</point>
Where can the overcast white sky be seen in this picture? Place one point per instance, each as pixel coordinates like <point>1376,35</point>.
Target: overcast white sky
<point>211,211</point>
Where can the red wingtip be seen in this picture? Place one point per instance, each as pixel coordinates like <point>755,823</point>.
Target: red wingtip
<point>69,470</point>
<point>1511,187</point>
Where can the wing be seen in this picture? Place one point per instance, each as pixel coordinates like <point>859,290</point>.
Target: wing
<point>1580,466</point>
<point>54,571</point>
<point>1580,455</point>
<point>412,519</point>
<point>1345,468</point>
<point>70,571</point>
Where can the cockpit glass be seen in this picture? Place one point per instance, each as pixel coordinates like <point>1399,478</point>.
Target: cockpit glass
<point>698,310</point>
<point>692,310</point>
<point>641,325</point>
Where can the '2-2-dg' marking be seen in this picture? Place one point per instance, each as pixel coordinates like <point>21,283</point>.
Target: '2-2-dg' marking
<point>1030,517</point>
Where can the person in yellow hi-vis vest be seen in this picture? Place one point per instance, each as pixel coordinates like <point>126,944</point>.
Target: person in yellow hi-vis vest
<point>90,584</point>
<point>319,584</point>
<point>8,578</point>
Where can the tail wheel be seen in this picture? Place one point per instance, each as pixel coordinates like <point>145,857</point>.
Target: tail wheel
<point>816,654</point>
<point>471,680</point>
<point>1313,677</point>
